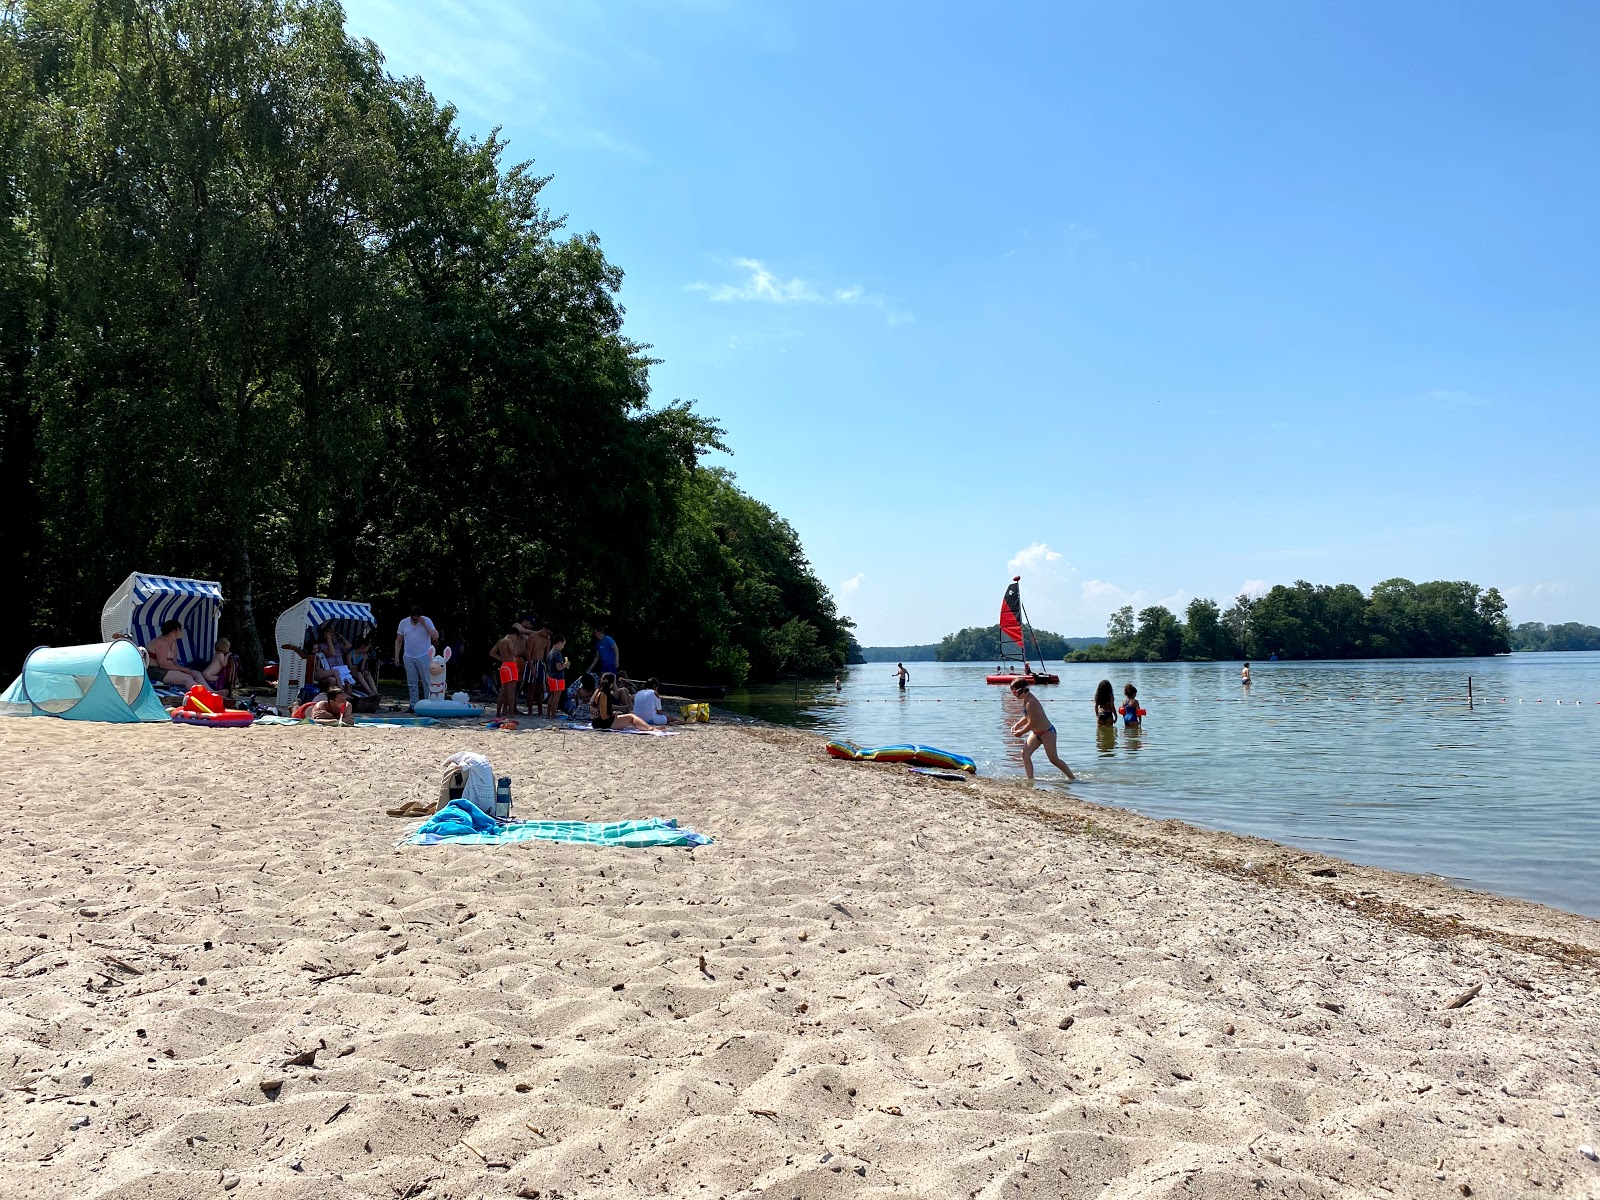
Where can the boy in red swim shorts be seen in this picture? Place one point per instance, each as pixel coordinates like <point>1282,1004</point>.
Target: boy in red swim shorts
<point>508,652</point>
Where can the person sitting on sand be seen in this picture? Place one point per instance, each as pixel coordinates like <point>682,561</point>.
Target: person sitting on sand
<point>606,713</point>
<point>333,708</point>
<point>164,666</point>
<point>318,672</point>
<point>1105,704</point>
<point>331,647</point>
<point>214,670</point>
<point>364,665</point>
<point>647,705</point>
<point>1035,729</point>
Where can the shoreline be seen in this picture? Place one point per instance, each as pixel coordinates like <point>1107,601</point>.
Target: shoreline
<point>213,952</point>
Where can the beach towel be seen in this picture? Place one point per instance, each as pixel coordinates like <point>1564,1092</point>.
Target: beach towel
<point>586,728</point>
<point>464,824</point>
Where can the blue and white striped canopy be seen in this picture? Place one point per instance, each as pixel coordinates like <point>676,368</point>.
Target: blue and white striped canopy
<point>319,611</point>
<point>195,603</point>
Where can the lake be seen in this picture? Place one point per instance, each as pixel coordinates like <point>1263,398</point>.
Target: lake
<point>1379,762</point>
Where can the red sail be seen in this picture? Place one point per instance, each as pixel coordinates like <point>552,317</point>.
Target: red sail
<point>1011,612</point>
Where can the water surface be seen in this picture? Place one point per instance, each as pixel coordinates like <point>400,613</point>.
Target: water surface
<point>1380,762</point>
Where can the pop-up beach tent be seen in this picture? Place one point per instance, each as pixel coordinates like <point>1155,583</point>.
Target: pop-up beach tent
<point>352,619</point>
<point>143,603</point>
<point>103,682</point>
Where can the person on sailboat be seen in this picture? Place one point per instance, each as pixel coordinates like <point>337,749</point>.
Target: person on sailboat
<point>1035,729</point>
<point>902,675</point>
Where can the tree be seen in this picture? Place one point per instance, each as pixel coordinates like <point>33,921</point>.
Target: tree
<point>1119,628</point>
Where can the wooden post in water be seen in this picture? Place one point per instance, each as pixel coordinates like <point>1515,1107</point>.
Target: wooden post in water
<point>1469,691</point>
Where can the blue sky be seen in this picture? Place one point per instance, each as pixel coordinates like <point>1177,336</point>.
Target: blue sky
<point>1146,300</point>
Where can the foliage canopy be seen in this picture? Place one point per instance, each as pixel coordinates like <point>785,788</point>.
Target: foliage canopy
<point>268,317</point>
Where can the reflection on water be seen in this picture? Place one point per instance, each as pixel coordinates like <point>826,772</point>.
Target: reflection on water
<point>1382,762</point>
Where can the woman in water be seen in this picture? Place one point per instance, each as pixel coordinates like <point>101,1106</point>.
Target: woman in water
<point>1105,704</point>
<point>1035,729</point>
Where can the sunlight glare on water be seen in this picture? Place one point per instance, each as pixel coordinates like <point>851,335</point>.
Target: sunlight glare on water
<point>1380,762</point>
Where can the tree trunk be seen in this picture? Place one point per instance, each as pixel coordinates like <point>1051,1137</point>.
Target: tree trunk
<point>250,652</point>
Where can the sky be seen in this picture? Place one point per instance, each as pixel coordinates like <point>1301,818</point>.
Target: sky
<point>1143,301</point>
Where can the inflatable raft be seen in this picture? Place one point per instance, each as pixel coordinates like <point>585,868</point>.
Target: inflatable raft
<point>1008,679</point>
<point>446,708</point>
<point>916,756</point>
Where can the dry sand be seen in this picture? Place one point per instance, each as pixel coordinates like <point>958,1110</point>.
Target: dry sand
<point>221,978</point>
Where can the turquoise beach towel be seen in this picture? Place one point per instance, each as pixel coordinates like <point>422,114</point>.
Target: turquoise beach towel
<point>462,824</point>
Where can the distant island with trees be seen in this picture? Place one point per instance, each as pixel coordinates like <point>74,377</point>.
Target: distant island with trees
<point>1534,637</point>
<point>1398,619</point>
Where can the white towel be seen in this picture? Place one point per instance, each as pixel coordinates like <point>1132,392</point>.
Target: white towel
<point>477,774</point>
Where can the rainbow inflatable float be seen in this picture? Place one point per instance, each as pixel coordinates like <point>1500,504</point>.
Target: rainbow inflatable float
<point>916,756</point>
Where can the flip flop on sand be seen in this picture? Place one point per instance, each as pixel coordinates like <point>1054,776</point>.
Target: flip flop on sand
<point>414,808</point>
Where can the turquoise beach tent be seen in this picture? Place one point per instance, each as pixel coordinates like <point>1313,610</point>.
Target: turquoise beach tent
<point>103,682</point>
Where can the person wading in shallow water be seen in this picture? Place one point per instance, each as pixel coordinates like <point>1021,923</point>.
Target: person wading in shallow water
<point>1035,729</point>
<point>901,674</point>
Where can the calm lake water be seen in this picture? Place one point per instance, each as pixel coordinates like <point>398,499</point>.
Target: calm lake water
<point>1377,762</point>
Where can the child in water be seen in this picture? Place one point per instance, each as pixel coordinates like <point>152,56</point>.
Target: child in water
<point>1035,729</point>
<point>1132,714</point>
<point>1105,704</point>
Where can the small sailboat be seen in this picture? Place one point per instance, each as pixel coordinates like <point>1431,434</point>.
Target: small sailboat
<point>1014,627</point>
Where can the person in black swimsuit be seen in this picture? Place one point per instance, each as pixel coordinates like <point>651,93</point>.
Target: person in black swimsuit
<point>607,712</point>
<point>1105,704</point>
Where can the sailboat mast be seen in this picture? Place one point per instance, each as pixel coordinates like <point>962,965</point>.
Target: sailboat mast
<point>1027,628</point>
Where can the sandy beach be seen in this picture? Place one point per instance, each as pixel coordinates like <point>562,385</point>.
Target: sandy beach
<point>221,977</point>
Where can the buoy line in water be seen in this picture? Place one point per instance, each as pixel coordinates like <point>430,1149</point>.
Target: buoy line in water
<point>1235,700</point>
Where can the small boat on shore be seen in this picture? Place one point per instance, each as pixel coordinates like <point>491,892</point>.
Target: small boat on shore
<point>1014,625</point>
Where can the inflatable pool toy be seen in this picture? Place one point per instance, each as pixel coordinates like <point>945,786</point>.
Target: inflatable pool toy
<point>202,706</point>
<point>916,756</point>
<point>234,718</point>
<point>1008,678</point>
<point>446,708</point>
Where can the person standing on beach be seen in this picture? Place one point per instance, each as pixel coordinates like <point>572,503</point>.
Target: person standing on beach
<point>903,675</point>
<point>413,647</point>
<point>536,637</point>
<point>1035,729</point>
<point>606,656</point>
<point>509,655</point>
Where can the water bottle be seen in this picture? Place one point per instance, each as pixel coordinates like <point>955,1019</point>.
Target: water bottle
<point>502,798</point>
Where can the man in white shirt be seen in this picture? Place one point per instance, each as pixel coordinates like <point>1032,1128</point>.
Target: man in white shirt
<point>413,646</point>
<point>647,705</point>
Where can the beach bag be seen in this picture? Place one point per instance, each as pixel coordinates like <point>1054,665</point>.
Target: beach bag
<point>695,713</point>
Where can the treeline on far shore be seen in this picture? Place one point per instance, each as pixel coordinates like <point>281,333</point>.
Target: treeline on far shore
<point>269,317</point>
<point>1536,636</point>
<point>1397,619</point>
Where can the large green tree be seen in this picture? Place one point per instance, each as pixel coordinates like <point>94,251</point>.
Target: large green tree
<point>268,316</point>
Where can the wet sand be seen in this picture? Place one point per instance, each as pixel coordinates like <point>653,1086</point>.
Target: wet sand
<point>220,977</point>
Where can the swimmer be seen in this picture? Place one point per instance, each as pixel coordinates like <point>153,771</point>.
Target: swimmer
<point>1244,675</point>
<point>901,674</point>
<point>1035,729</point>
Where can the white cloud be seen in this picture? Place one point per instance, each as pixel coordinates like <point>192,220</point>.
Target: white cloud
<point>1033,557</point>
<point>762,285</point>
<point>1253,587</point>
<point>1099,592</point>
<point>849,586</point>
